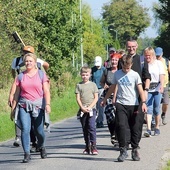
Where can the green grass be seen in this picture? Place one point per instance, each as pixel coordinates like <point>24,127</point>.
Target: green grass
<point>167,167</point>
<point>61,108</point>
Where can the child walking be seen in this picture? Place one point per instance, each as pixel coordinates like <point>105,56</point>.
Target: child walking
<point>129,88</point>
<point>87,97</point>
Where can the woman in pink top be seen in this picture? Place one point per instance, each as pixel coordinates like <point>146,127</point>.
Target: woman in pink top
<point>32,99</point>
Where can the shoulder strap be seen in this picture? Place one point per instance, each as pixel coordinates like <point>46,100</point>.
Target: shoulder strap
<point>17,61</point>
<point>39,65</point>
<point>17,64</point>
<point>40,72</point>
<point>141,62</point>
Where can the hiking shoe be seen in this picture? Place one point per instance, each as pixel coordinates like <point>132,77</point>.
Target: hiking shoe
<point>43,153</point>
<point>147,133</point>
<point>94,150</point>
<point>135,155</point>
<point>123,155</point>
<point>157,132</point>
<point>164,122</point>
<point>17,142</point>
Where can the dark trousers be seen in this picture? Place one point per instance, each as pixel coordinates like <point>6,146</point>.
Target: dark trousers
<point>140,120</point>
<point>128,116</point>
<point>89,127</point>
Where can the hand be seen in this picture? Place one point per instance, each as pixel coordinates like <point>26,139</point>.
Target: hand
<point>144,108</point>
<point>103,103</point>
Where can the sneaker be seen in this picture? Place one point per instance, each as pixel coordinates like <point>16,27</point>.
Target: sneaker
<point>163,120</point>
<point>147,133</point>
<point>157,132</point>
<point>17,142</point>
<point>86,151</point>
<point>123,155</point>
<point>135,155</point>
<point>94,150</point>
<point>27,158</point>
<point>43,153</point>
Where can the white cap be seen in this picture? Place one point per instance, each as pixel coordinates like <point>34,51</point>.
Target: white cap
<point>98,61</point>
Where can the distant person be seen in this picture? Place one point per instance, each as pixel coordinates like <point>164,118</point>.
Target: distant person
<point>129,88</point>
<point>157,72</point>
<point>107,63</point>
<point>97,72</point>
<point>30,103</point>
<point>165,95</point>
<point>106,82</point>
<point>87,97</point>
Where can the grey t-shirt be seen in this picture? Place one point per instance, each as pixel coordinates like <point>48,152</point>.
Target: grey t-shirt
<point>127,93</point>
<point>86,92</point>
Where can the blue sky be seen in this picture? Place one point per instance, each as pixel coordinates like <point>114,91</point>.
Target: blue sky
<point>96,10</point>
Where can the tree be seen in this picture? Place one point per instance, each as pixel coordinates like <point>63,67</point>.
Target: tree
<point>128,18</point>
<point>162,14</point>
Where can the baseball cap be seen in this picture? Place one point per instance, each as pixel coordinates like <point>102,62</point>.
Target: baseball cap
<point>112,49</point>
<point>28,48</point>
<point>158,51</point>
<point>98,61</point>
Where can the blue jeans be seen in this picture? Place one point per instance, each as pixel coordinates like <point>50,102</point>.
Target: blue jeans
<point>154,103</point>
<point>38,124</point>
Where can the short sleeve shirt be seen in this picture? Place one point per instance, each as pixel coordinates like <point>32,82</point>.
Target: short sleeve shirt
<point>86,91</point>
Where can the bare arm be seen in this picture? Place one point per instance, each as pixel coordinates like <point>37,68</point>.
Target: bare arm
<point>11,94</point>
<point>110,91</point>
<point>47,96</point>
<point>15,101</point>
<point>45,66</point>
<point>162,78</point>
<point>143,97</point>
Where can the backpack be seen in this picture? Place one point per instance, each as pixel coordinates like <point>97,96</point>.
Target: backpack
<point>40,72</point>
<point>17,64</point>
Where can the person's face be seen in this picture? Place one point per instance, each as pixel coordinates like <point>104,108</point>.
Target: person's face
<point>30,62</point>
<point>148,56</point>
<point>85,77</point>
<point>114,61</point>
<point>111,52</point>
<point>126,68</point>
<point>131,47</point>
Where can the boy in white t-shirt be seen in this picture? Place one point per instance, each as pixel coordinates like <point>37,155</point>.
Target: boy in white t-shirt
<point>129,86</point>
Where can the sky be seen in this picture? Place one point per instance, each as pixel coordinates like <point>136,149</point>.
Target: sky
<point>96,6</point>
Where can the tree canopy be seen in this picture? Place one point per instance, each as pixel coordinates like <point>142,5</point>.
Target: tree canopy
<point>127,17</point>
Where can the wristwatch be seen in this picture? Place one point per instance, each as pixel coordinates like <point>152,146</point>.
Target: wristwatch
<point>146,89</point>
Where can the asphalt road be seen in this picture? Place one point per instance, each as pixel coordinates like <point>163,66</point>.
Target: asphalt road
<point>65,145</point>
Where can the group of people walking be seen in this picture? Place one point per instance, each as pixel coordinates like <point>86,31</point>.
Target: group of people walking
<point>130,89</point>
